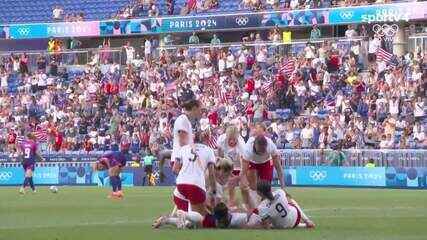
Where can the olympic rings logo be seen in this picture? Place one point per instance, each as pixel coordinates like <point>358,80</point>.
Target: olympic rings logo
<point>318,175</point>
<point>24,31</point>
<point>4,176</point>
<point>242,21</point>
<point>385,30</point>
<point>346,14</point>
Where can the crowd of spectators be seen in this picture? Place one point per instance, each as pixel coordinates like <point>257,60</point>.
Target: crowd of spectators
<point>333,95</point>
<point>154,8</point>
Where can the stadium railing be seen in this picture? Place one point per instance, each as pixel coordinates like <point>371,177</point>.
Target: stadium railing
<point>117,55</point>
<point>74,57</point>
<point>290,157</point>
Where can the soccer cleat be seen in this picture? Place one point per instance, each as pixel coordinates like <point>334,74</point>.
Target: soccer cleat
<point>22,190</point>
<point>159,222</point>
<point>120,194</point>
<point>116,195</point>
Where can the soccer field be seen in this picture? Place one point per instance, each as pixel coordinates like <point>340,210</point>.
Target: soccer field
<point>86,213</point>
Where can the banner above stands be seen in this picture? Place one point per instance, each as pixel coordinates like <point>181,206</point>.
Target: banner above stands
<point>328,16</point>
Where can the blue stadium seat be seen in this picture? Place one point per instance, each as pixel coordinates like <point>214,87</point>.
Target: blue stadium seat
<point>20,11</point>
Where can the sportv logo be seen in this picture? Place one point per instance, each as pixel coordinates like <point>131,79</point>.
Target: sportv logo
<point>5,176</point>
<point>318,176</point>
<point>387,15</point>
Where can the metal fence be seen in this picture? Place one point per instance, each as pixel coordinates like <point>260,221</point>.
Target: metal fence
<point>306,157</point>
<point>75,57</point>
<point>356,157</point>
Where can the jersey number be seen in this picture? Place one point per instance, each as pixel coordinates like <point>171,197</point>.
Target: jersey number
<point>281,209</point>
<point>27,152</point>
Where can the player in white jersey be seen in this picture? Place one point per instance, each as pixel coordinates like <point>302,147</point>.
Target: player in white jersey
<point>277,210</point>
<point>231,144</point>
<point>194,160</point>
<point>192,112</point>
<point>259,157</point>
<point>189,218</point>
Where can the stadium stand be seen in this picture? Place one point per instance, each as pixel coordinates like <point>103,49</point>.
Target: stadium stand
<point>27,11</point>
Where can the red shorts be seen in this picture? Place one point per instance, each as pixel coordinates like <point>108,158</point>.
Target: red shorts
<point>180,203</point>
<point>264,170</point>
<point>297,222</point>
<point>192,193</point>
<point>209,221</point>
<point>236,172</point>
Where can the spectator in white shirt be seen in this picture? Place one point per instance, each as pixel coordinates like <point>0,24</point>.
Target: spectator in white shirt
<point>130,53</point>
<point>57,13</point>
<point>147,49</point>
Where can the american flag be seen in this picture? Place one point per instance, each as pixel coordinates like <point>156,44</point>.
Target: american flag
<point>329,102</point>
<point>223,97</point>
<point>383,55</point>
<point>41,135</point>
<point>266,87</point>
<point>211,142</point>
<point>171,87</point>
<point>20,139</point>
<point>288,68</point>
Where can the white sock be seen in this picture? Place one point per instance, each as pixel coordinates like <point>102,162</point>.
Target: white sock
<point>172,221</point>
<point>254,197</point>
<point>194,217</point>
<point>303,216</point>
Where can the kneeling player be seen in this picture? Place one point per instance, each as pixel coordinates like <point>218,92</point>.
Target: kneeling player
<point>114,163</point>
<point>277,210</point>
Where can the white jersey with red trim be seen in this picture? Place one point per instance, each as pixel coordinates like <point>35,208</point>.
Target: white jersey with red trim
<point>181,123</point>
<point>195,159</point>
<point>234,153</point>
<point>249,155</point>
<point>279,211</point>
<point>238,220</point>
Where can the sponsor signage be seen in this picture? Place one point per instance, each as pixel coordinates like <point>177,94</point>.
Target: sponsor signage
<point>360,14</point>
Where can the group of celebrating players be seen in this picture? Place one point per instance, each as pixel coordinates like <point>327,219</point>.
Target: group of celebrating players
<point>203,175</point>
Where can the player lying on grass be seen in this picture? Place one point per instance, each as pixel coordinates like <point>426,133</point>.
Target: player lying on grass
<point>191,219</point>
<point>114,163</point>
<point>222,171</point>
<point>277,210</point>
<point>29,154</point>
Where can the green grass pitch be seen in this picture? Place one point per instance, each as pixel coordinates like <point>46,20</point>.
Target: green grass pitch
<point>80,213</point>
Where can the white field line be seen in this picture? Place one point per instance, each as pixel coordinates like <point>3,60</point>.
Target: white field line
<point>360,209</point>
<point>80,224</point>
